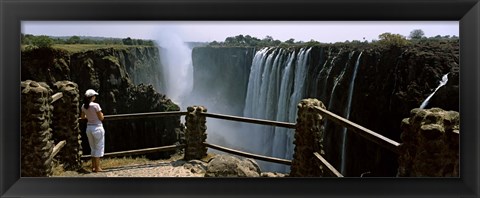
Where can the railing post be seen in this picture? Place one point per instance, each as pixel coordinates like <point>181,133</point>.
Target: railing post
<point>430,146</point>
<point>195,133</point>
<point>36,137</point>
<point>308,139</point>
<point>65,125</point>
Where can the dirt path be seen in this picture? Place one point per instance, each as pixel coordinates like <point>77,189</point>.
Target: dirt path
<point>157,169</point>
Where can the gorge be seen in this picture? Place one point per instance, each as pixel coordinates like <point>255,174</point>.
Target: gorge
<point>375,86</point>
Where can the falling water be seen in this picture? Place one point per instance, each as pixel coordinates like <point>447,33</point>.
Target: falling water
<point>442,83</point>
<point>347,115</point>
<point>275,86</point>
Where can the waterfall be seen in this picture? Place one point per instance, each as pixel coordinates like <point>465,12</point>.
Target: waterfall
<point>442,83</point>
<point>275,87</point>
<point>347,111</point>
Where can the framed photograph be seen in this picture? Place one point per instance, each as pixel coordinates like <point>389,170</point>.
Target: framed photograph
<point>271,45</point>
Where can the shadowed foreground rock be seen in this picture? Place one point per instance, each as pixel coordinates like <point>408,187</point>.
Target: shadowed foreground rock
<point>430,144</point>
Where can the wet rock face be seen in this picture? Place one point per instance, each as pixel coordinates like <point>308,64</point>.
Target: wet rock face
<point>220,77</point>
<point>430,145</point>
<point>230,166</point>
<point>389,83</point>
<point>114,74</point>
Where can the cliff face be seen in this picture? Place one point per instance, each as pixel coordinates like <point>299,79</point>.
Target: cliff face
<point>221,77</point>
<point>390,81</point>
<point>121,77</point>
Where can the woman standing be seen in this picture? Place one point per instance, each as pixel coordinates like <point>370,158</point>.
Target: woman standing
<point>95,132</point>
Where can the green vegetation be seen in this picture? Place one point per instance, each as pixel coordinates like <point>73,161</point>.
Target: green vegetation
<point>249,41</point>
<point>78,43</point>
<point>390,39</point>
<point>170,106</point>
<point>85,47</point>
<point>112,59</point>
<point>385,40</point>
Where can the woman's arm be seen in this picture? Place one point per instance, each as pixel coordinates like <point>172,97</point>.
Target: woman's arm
<point>83,116</point>
<point>100,115</point>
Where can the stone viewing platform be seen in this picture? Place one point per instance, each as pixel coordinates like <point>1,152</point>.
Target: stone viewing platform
<point>177,167</point>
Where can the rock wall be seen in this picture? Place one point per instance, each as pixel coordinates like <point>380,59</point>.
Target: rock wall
<point>195,133</point>
<point>65,125</point>
<point>36,142</point>
<point>308,139</point>
<point>430,144</point>
<point>114,74</point>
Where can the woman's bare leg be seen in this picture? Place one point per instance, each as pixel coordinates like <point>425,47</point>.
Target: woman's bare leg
<point>94,164</point>
<point>97,164</point>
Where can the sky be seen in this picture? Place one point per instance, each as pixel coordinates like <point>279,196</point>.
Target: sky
<point>208,31</point>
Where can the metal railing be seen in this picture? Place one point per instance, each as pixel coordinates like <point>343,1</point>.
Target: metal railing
<point>56,96</point>
<point>213,146</point>
<point>144,115</point>
<point>249,120</point>
<point>362,131</point>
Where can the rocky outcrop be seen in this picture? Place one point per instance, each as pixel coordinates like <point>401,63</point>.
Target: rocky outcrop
<point>230,166</point>
<point>114,73</point>
<point>430,144</point>
<point>195,133</point>
<point>36,142</point>
<point>308,139</point>
<point>65,125</point>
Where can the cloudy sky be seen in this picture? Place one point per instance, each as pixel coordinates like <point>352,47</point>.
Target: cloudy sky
<point>323,31</point>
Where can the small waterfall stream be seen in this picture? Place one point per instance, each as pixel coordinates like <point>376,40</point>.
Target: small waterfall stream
<point>442,83</point>
<point>347,112</point>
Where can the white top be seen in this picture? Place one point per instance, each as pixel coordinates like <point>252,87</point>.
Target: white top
<point>91,113</point>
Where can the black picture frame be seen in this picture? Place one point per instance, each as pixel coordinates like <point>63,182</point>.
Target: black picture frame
<point>13,12</point>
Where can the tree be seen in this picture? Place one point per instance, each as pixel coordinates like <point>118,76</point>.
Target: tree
<point>127,41</point>
<point>42,41</point>
<point>392,39</point>
<point>268,39</point>
<point>416,34</point>
<point>73,40</point>
<point>290,41</point>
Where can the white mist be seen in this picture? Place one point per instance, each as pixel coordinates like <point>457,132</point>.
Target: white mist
<point>176,59</point>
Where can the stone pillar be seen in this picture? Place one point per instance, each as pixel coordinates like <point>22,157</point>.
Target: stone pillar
<point>65,125</point>
<point>36,137</point>
<point>195,133</point>
<point>430,144</point>
<point>308,139</point>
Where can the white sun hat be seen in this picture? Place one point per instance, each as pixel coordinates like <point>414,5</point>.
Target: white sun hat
<point>90,93</point>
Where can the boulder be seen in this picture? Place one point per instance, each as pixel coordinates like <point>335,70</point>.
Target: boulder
<point>230,166</point>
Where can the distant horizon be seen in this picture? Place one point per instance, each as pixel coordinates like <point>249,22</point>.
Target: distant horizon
<point>209,31</point>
